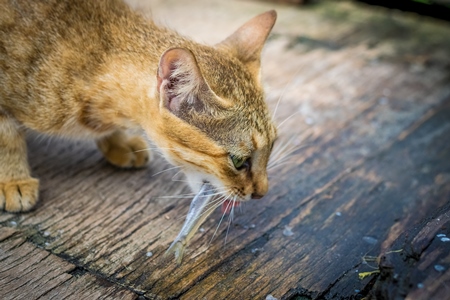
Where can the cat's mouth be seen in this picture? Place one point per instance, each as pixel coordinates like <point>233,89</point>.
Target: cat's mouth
<point>229,202</point>
<point>228,205</point>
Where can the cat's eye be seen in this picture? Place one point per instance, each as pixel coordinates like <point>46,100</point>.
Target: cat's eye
<point>239,162</point>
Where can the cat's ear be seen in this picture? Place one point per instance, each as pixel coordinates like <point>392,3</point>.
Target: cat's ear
<point>179,81</point>
<point>247,42</point>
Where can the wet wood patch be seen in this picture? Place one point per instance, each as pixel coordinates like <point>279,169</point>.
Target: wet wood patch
<point>359,209</point>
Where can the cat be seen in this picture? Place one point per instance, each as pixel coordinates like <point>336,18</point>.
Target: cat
<point>98,70</point>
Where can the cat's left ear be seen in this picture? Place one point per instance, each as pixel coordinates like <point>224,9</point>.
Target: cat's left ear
<point>247,42</point>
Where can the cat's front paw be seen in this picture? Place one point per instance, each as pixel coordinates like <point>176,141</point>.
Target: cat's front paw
<point>125,152</point>
<point>19,195</point>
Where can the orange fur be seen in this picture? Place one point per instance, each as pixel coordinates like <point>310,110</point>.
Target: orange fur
<point>95,69</point>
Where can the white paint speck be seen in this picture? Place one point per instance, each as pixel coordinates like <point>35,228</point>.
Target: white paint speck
<point>338,214</point>
<point>439,268</point>
<point>252,226</point>
<point>445,239</point>
<point>47,243</point>
<point>370,240</point>
<point>440,235</point>
<point>309,121</point>
<point>46,233</point>
<point>13,223</point>
<point>254,250</point>
<point>202,229</point>
<point>149,254</point>
<point>270,297</point>
<point>420,285</point>
<point>287,231</point>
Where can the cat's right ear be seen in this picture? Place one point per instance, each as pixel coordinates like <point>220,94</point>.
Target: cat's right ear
<point>247,42</point>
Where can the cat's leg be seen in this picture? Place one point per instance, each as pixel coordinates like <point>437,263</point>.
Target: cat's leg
<point>125,151</point>
<point>18,190</point>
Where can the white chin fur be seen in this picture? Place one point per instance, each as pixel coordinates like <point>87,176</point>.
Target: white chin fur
<point>196,179</point>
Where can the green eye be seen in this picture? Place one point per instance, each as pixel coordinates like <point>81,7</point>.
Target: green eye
<point>238,162</point>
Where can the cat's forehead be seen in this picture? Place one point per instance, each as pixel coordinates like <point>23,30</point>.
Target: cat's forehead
<point>227,76</point>
<point>244,125</point>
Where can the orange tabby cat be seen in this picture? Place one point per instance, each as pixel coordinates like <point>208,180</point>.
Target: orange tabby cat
<point>96,69</point>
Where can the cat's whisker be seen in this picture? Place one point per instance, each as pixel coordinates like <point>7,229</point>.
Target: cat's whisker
<point>283,160</point>
<point>165,170</point>
<point>281,150</point>
<point>221,195</point>
<point>213,206</point>
<point>176,196</point>
<point>281,157</point>
<point>181,180</point>
<point>187,195</point>
<point>221,219</point>
<point>142,150</point>
<point>186,181</point>
<point>207,210</point>
<point>280,164</point>
<point>286,154</point>
<point>230,218</point>
<point>219,200</point>
<point>241,207</point>
<point>285,120</point>
<point>284,91</point>
<point>152,148</point>
<point>176,174</point>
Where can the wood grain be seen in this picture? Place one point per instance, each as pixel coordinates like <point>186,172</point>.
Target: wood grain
<point>365,99</point>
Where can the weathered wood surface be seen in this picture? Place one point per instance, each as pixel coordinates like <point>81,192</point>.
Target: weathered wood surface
<point>368,190</point>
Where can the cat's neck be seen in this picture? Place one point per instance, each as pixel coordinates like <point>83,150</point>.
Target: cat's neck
<point>125,93</point>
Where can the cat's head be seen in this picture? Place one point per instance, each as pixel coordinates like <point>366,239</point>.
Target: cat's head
<point>216,123</point>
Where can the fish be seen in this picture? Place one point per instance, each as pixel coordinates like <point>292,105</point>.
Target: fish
<point>198,212</point>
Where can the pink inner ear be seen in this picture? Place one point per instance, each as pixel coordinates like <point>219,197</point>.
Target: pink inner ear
<point>165,83</point>
<point>181,63</point>
<point>174,104</point>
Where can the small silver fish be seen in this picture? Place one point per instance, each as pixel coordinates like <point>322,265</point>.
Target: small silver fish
<point>198,212</point>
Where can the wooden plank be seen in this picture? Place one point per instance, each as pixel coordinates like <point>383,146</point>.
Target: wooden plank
<point>89,287</point>
<point>371,108</point>
<point>28,272</point>
<point>413,197</point>
<point>416,266</point>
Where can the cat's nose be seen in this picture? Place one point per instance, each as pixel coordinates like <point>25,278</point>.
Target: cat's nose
<point>260,186</point>
<point>257,196</point>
